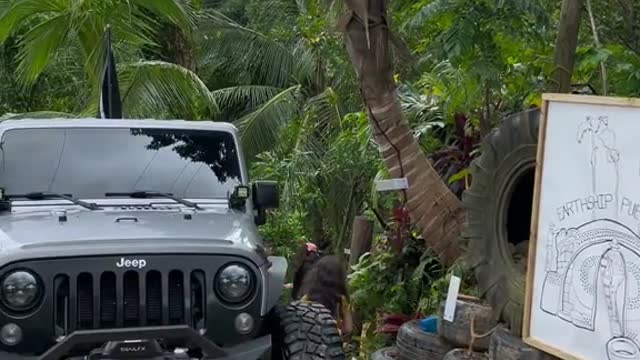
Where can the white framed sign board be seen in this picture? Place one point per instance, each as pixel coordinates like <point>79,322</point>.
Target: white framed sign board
<point>583,282</point>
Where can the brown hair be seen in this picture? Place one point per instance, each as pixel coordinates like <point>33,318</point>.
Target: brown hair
<point>304,261</point>
<point>326,283</point>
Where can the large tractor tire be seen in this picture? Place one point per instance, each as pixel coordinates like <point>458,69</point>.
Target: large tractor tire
<point>305,331</point>
<point>498,206</point>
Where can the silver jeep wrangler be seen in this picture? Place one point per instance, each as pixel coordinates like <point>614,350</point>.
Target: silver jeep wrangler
<point>138,239</point>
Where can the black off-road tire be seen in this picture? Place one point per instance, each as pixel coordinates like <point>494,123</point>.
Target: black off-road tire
<point>414,344</point>
<point>506,346</point>
<point>458,332</point>
<point>388,353</point>
<point>501,177</point>
<point>305,331</point>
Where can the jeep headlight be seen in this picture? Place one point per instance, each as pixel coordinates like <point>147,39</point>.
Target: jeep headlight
<point>20,290</point>
<point>234,283</point>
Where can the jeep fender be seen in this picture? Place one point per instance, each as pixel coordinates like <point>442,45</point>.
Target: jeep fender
<point>274,282</point>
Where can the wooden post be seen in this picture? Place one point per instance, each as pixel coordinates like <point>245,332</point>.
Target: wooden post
<point>566,44</point>
<point>361,238</point>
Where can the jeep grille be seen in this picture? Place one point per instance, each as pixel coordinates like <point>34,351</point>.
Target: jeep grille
<point>86,293</point>
<point>132,298</point>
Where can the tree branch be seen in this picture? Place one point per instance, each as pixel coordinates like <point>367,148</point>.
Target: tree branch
<point>596,40</point>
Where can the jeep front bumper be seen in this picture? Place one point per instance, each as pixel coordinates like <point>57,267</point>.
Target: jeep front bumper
<point>259,348</point>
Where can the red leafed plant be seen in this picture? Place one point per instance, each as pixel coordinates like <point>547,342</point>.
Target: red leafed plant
<point>452,162</point>
<point>391,323</point>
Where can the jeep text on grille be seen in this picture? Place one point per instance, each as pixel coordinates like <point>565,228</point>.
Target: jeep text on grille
<point>128,263</point>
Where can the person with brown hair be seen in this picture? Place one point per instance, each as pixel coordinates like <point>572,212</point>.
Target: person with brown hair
<point>304,259</point>
<point>326,284</point>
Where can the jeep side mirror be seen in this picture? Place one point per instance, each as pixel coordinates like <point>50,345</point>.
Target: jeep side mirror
<point>265,196</point>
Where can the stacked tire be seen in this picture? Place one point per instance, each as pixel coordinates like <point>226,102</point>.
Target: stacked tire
<point>412,343</point>
<point>470,313</point>
<point>415,344</point>
<point>504,345</point>
<point>388,353</point>
<point>468,310</point>
<point>453,339</point>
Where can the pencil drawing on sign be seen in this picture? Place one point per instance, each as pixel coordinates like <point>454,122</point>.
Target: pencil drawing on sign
<point>601,137</point>
<point>592,270</point>
<point>598,258</point>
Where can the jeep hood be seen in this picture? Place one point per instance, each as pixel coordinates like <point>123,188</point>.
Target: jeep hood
<point>39,234</point>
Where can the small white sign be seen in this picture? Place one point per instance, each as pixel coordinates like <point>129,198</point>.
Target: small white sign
<point>392,184</point>
<point>452,299</point>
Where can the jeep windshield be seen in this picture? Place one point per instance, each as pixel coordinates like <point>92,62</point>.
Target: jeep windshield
<point>90,162</point>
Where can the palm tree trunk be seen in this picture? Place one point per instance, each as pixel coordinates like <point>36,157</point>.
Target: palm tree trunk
<point>566,44</point>
<point>434,209</point>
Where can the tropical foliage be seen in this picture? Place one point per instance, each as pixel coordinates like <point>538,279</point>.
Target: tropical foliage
<point>278,69</point>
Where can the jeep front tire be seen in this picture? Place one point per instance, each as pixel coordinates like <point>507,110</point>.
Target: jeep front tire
<point>305,331</point>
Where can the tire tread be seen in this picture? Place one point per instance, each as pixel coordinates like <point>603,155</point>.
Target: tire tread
<point>310,333</point>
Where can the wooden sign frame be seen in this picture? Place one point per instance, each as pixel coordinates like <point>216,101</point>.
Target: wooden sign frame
<point>542,132</point>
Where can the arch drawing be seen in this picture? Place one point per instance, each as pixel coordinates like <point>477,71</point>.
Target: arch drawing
<point>590,265</point>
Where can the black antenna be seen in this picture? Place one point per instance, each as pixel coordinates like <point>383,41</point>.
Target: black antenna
<point>110,103</point>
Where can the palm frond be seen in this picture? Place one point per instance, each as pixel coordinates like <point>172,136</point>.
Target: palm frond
<point>134,28</point>
<point>39,115</point>
<point>47,26</point>
<point>175,11</point>
<point>246,51</point>
<point>305,66</point>
<point>327,107</point>
<point>429,12</point>
<point>4,5</point>
<point>244,97</point>
<point>19,10</point>
<point>44,41</point>
<point>453,85</point>
<point>260,129</point>
<point>420,109</point>
<point>161,89</point>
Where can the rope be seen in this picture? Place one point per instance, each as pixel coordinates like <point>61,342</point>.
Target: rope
<point>475,336</point>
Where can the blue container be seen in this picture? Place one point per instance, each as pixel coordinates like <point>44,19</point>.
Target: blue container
<point>429,324</point>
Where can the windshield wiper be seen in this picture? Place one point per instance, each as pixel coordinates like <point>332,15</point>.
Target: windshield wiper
<point>41,195</point>
<point>150,194</point>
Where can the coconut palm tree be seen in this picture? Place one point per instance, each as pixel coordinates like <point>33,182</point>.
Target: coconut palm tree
<point>50,30</point>
<point>434,208</point>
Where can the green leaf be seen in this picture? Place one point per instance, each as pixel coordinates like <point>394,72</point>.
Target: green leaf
<point>459,176</point>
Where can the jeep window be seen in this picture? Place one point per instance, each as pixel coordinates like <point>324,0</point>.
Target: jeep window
<point>89,162</point>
